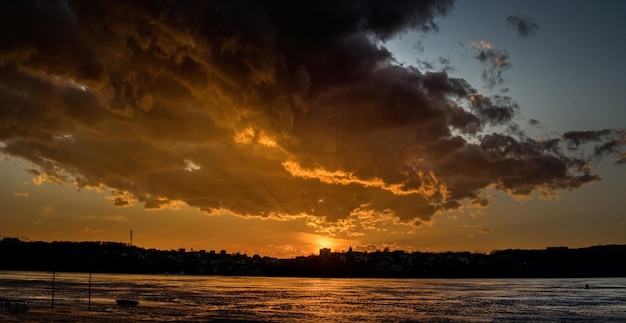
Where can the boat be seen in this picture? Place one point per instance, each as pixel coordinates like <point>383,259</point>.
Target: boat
<point>13,305</point>
<point>126,302</point>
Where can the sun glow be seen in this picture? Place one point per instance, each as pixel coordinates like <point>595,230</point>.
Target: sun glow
<point>325,242</point>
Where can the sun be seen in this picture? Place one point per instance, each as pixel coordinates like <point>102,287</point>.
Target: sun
<point>317,241</point>
<point>325,242</point>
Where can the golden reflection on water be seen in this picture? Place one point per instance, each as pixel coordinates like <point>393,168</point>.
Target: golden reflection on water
<point>205,298</point>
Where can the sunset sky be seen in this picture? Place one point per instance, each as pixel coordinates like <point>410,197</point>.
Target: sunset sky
<point>277,128</point>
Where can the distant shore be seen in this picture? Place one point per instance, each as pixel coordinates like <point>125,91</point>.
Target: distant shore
<point>110,257</point>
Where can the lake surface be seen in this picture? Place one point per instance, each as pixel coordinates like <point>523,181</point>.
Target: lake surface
<point>180,298</point>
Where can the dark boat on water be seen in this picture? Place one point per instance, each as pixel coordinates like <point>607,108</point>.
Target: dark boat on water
<point>126,303</point>
<point>13,305</point>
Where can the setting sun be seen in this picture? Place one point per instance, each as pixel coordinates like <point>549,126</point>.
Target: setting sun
<point>325,242</point>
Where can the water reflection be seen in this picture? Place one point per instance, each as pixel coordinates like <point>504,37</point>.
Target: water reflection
<point>206,298</point>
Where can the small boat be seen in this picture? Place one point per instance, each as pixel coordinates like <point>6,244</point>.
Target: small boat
<point>13,305</point>
<point>126,302</point>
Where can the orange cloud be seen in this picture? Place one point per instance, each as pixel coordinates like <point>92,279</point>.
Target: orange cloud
<point>244,109</point>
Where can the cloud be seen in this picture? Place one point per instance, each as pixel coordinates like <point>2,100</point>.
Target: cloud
<point>534,122</point>
<point>524,24</point>
<point>89,230</point>
<point>442,65</point>
<point>259,110</point>
<point>621,159</point>
<point>122,199</point>
<point>608,142</point>
<point>116,218</point>
<point>575,138</point>
<point>48,211</point>
<point>496,59</point>
<point>21,194</point>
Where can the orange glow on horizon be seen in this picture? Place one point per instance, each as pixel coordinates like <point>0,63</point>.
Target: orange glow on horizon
<point>325,242</point>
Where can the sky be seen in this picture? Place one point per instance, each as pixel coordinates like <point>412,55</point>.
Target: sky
<point>279,128</point>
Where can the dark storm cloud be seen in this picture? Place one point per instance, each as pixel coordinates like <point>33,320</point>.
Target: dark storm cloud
<point>270,109</point>
<point>524,24</point>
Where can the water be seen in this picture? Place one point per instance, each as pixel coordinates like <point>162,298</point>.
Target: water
<point>177,298</point>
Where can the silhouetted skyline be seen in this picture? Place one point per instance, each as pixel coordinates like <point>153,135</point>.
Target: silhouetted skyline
<point>112,257</point>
